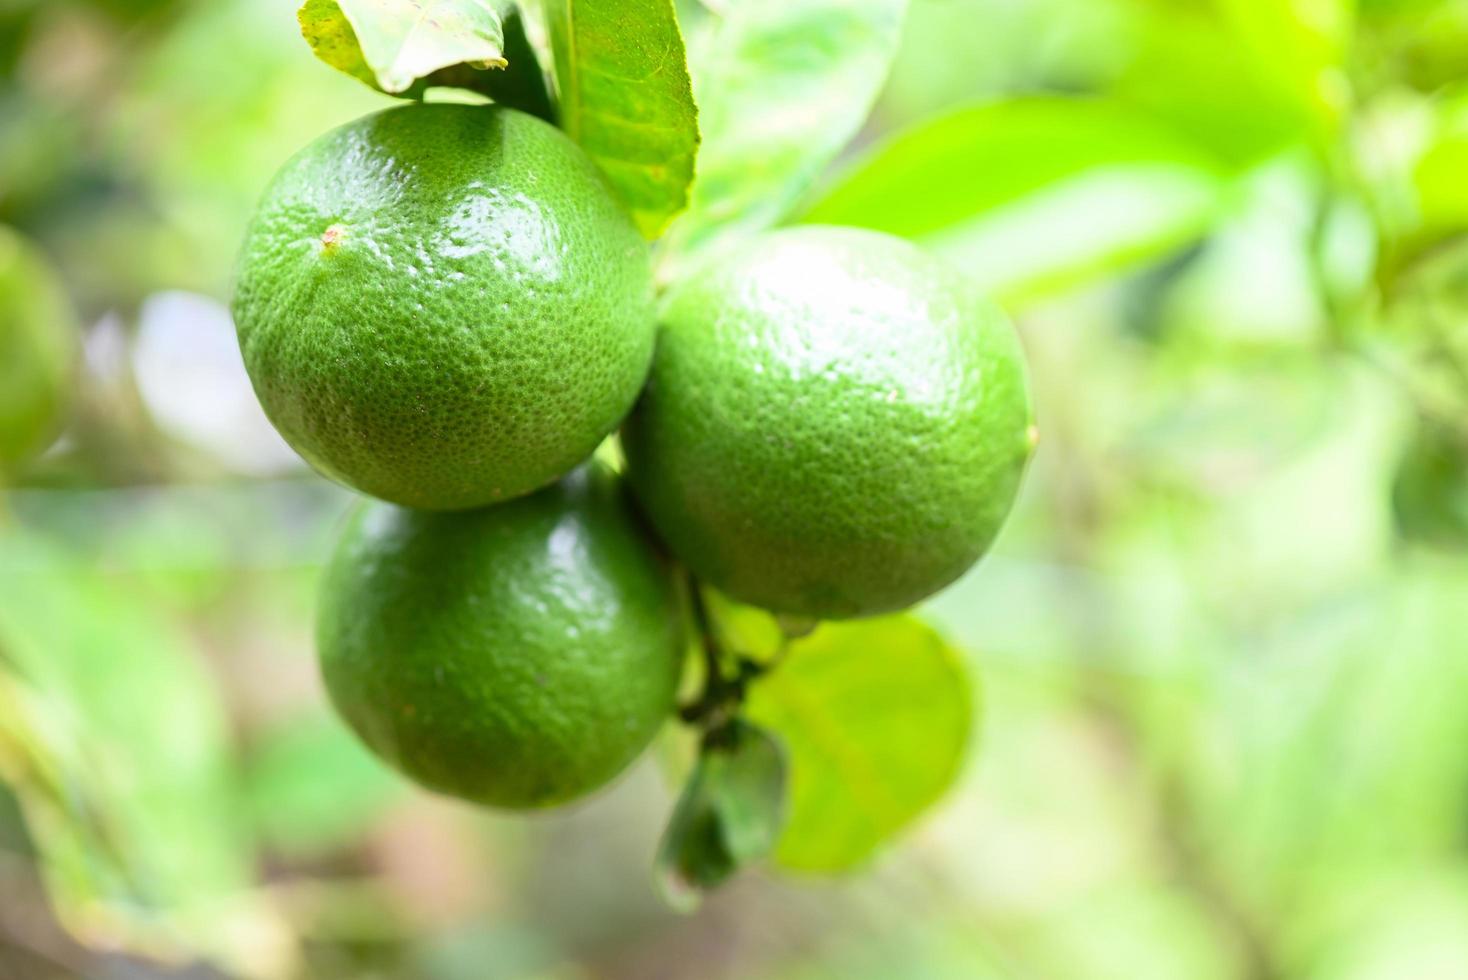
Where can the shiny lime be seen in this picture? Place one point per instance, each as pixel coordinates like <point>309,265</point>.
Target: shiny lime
<point>518,656</point>
<point>443,306</point>
<point>835,424</point>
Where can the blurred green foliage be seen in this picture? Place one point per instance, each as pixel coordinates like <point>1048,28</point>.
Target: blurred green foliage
<point>1223,644</point>
<point>1071,189</point>
<point>781,88</point>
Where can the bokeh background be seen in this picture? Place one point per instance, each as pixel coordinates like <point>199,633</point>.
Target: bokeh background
<point>1223,641</point>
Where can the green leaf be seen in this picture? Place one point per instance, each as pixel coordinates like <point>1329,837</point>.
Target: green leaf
<point>1438,178</point>
<point>1437,174</point>
<point>624,95</point>
<point>782,86</point>
<point>1297,47</point>
<point>744,630</point>
<point>332,39</point>
<point>1210,91</point>
<point>1037,193</point>
<point>875,716</point>
<point>729,814</point>
<point>393,44</point>
<point>747,774</point>
<point>114,740</point>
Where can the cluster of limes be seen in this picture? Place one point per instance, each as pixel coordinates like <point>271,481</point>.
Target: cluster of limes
<point>443,307</point>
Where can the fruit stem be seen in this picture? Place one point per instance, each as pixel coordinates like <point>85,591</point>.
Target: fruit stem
<point>722,695</point>
<point>716,690</point>
<point>708,637</point>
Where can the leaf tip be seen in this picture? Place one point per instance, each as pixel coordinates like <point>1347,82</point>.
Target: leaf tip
<point>678,892</point>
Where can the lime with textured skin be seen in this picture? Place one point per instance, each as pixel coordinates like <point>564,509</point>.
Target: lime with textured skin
<point>518,656</point>
<point>38,346</point>
<point>835,425</point>
<point>443,306</point>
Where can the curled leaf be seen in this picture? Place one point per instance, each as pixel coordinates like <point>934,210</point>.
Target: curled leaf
<point>394,44</point>
<point>728,817</point>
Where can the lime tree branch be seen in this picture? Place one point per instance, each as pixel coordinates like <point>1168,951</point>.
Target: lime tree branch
<point>727,674</point>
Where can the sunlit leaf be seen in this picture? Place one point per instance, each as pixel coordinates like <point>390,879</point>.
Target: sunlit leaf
<point>624,95</point>
<point>1439,181</point>
<point>1036,193</point>
<point>746,631</point>
<point>782,86</point>
<point>1298,46</point>
<point>391,44</point>
<point>875,716</point>
<point>1211,92</point>
<point>1437,177</point>
<point>326,28</point>
<point>728,816</point>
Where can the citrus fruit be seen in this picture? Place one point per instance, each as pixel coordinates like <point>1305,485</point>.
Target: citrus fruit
<point>443,306</point>
<point>518,656</point>
<point>835,425</point>
<point>38,341</point>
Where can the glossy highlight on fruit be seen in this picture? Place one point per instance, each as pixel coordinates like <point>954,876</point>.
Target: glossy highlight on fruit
<point>442,305</point>
<point>518,656</point>
<point>835,424</point>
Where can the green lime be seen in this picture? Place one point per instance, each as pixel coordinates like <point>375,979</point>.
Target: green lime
<point>443,306</point>
<point>38,342</point>
<point>835,425</point>
<point>518,656</point>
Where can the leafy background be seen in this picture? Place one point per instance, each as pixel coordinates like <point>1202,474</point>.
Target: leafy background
<point>1219,651</point>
